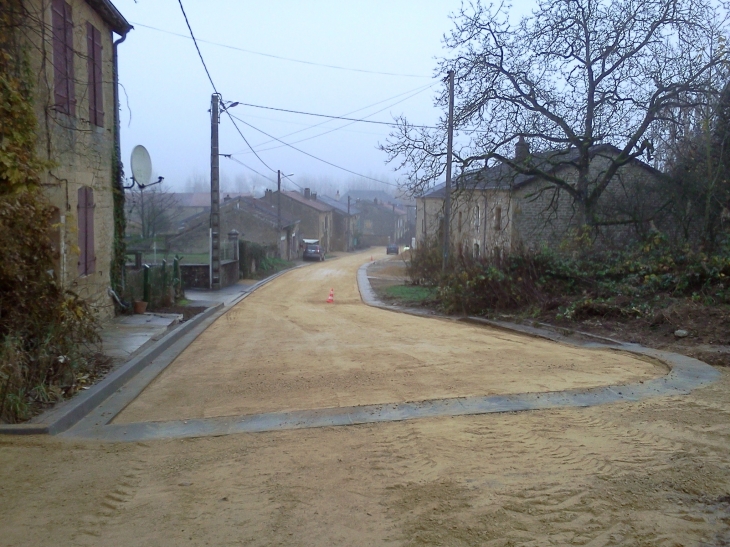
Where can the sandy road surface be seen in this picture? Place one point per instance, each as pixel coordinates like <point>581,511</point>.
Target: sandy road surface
<point>654,473</point>
<point>285,348</point>
<point>649,473</point>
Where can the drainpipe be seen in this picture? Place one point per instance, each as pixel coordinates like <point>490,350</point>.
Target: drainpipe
<point>117,170</point>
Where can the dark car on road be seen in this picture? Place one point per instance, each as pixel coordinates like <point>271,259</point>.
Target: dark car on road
<point>313,252</point>
<point>392,249</point>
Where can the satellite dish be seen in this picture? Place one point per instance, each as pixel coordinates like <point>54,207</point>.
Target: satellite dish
<point>141,165</point>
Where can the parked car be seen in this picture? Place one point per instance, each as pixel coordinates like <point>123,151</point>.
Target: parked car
<point>392,249</point>
<point>313,252</point>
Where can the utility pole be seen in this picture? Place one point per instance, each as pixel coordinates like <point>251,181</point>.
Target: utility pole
<point>278,201</point>
<point>447,201</point>
<point>395,226</point>
<point>349,223</point>
<point>215,236</point>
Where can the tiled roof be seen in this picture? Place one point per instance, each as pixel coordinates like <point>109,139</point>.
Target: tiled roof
<point>504,177</point>
<point>340,206</point>
<point>313,203</point>
<point>111,16</point>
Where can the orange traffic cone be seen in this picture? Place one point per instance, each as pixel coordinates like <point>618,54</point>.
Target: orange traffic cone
<point>331,297</point>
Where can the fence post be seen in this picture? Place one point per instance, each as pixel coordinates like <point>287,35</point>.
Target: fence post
<point>165,293</point>
<point>146,284</point>
<point>176,281</point>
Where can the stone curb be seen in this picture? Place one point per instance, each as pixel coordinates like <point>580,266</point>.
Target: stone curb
<point>96,408</point>
<point>66,415</point>
<point>685,373</point>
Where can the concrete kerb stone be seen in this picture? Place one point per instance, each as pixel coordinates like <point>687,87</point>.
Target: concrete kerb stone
<point>685,374</point>
<point>69,413</point>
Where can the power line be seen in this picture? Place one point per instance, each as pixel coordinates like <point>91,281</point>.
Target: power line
<point>247,143</point>
<point>308,154</point>
<point>342,126</point>
<point>290,59</point>
<point>344,118</point>
<point>418,89</point>
<point>196,46</point>
<point>248,167</point>
<point>214,88</point>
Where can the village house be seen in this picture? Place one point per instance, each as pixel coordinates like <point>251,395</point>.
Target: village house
<point>73,52</point>
<point>496,209</point>
<point>315,216</point>
<point>345,224</point>
<point>382,223</point>
<point>252,219</point>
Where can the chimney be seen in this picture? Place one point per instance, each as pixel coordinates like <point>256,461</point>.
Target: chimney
<point>314,196</point>
<point>307,193</point>
<point>522,150</point>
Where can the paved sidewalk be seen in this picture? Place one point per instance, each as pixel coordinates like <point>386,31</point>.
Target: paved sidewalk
<point>125,335</point>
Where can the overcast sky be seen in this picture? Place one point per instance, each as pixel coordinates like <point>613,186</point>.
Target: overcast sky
<point>168,93</point>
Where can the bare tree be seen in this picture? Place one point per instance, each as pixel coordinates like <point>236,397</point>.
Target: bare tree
<point>151,209</point>
<point>574,74</point>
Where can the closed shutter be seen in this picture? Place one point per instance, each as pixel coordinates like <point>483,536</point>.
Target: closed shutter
<point>90,248</point>
<point>82,213</point>
<point>63,73</point>
<point>87,255</point>
<point>96,103</point>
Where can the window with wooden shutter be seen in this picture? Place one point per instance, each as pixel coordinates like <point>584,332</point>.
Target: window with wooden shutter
<point>87,256</point>
<point>96,104</point>
<point>63,58</point>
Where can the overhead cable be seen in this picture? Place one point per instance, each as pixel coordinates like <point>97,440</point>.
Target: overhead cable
<point>361,120</point>
<point>416,90</point>
<point>311,155</point>
<point>196,45</point>
<point>340,127</point>
<point>290,59</point>
<point>214,88</point>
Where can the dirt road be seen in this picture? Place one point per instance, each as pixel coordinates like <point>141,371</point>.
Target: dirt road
<point>649,473</point>
<point>285,348</point>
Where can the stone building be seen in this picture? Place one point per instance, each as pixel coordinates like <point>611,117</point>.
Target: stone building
<point>382,223</point>
<point>345,224</point>
<point>496,209</point>
<point>73,51</point>
<point>315,216</point>
<point>254,221</point>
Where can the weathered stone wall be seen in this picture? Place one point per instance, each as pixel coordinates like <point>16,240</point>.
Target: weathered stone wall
<point>80,151</point>
<point>313,224</point>
<point>545,216</point>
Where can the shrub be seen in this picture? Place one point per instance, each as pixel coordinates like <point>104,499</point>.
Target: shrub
<point>46,333</point>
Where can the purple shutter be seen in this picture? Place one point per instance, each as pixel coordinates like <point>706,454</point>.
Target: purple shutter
<point>60,70</point>
<point>95,89</point>
<point>90,249</point>
<point>82,214</point>
<point>69,42</point>
<point>63,61</point>
<point>87,255</point>
<point>99,94</point>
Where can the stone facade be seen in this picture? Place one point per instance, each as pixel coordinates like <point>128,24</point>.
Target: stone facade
<point>315,217</point>
<point>381,223</point>
<point>253,220</point>
<point>496,218</point>
<point>78,136</point>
